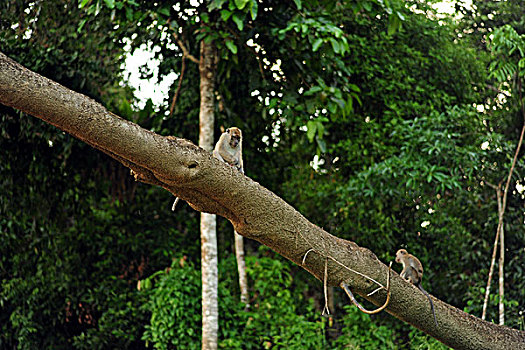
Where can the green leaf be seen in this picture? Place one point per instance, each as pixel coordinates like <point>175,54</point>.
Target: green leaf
<point>393,24</point>
<point>316,44</point>
<point>321,144</point>
<point>320,130</point>
<point>81,25</point>
<point>231,46</point>
<point>225,14</point>
<point>129,13</point>
<point>216,4</point>
<point>311,128</point>
<point>354,87</point>
<point>335,45</point>
<point>164,11</point>
<point>241,3</point>
<point>110,3</point>
<point>314,89</point>
<point>238,18</point>
<point>332,107</point>
<point>339,102</point>
<point>349,106</point>
<point>254,8</point>
<point>298,4</point>
<point>83,3</point>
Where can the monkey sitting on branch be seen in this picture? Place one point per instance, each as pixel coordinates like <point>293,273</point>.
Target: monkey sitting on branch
<point>229,150</point>
<point>413,273</point>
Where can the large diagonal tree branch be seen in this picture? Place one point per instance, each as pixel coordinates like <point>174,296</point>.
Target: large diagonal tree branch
<point>209,185</point>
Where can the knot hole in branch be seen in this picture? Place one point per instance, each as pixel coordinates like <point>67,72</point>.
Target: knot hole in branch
<point>193,164</point>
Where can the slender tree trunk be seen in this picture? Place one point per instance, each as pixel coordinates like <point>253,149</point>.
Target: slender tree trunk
<point>501,275</point>
<point>501,262</point>
<point>241,268</point>
<point>499,237</point>
<point>210,309</point>
<point>502,204</point>
<point>494,252</point>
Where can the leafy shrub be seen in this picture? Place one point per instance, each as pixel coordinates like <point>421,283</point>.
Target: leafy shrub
<point>361,332</point>
<point>174,300</point>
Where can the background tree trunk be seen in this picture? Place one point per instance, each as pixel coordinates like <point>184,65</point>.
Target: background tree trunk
<point>241,268</point>
<point>501,305</point>
<point>209,261</point>
<point>502,204</point>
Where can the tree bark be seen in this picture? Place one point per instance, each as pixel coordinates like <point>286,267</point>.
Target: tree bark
<point>209,260</point>
<point>209,185</point>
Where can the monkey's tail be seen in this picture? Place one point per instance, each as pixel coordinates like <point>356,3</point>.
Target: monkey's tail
<point>431,303</point>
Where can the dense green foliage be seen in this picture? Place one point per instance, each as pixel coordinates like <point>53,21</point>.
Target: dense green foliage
<point>374,119</point>
<point>274,319</point>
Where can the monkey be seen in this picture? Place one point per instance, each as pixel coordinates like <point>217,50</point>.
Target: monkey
<point>413,273</point>
<point>229,150</point>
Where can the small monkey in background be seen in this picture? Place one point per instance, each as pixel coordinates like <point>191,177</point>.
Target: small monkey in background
<point>413,273</point>
<point>229,150</point>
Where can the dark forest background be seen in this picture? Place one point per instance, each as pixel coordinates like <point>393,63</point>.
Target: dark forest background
<point>381,121</point>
